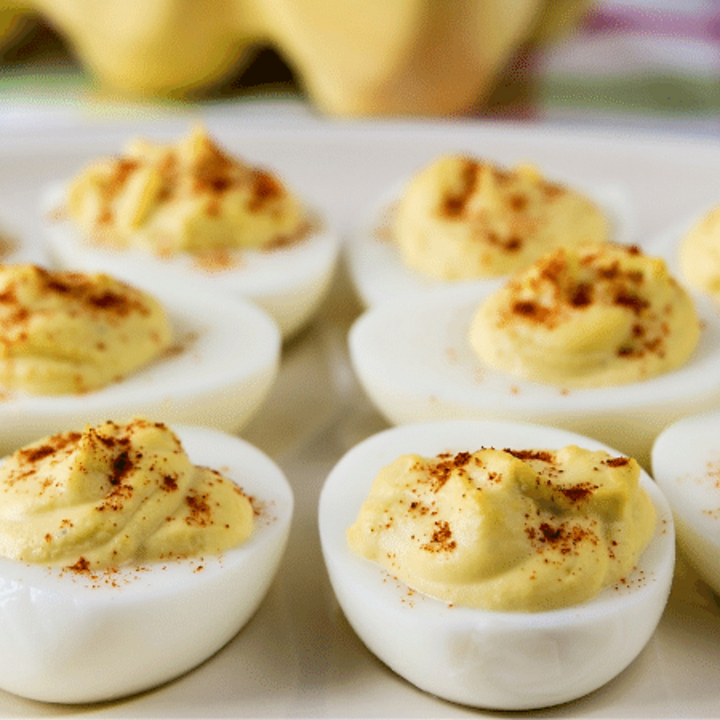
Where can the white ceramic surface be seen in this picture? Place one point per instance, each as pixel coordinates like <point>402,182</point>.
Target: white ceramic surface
<point>15,246</point>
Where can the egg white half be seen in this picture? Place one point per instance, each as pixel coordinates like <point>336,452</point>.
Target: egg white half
<point>289,282</point>
<point>379,273</point>
<point>686,465</point>
<point>413,358</point>
<point>497,660</point>
<point>225,358</point>
<point>74,638</point>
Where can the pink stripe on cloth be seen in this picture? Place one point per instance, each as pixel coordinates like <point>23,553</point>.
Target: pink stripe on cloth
<point>704,24</point>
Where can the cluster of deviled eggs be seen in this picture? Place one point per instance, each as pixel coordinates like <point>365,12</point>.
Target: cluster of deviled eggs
<point>685,455</point>
<point>462,232</point>
<point>236,260</point>
<point>486,658</point>
<point>415,360</point>
<point>126,332</point>
<point>596,344</point>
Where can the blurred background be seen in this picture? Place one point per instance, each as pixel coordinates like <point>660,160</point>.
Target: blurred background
<point>648,63</point>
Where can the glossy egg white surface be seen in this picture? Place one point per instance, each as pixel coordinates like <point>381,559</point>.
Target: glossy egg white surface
<point>378,272</point>
<point>414,361</point>
<point>686,465</point>
<point>495,660</point>
<point>76,638</point>
<point>223,362</point>
<point>288,282</point>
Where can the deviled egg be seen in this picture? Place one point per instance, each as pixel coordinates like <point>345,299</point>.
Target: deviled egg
<point>482,655</point>
<point>699,253</point>
<point>192,215</point>
<point>207,360</point>
<point>692,249</point>
<point>462,219</point>
<point>686,465</point>
<point>414,358</point>
<point>76,624</point>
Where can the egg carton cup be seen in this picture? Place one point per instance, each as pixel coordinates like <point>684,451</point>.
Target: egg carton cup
<point>488,659</point>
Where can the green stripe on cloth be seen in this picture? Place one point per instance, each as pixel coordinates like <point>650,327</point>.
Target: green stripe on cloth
<point>661,94</point>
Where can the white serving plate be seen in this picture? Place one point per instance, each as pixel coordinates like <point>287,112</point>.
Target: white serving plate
<point>316,665</point>
<point>15,247</point>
